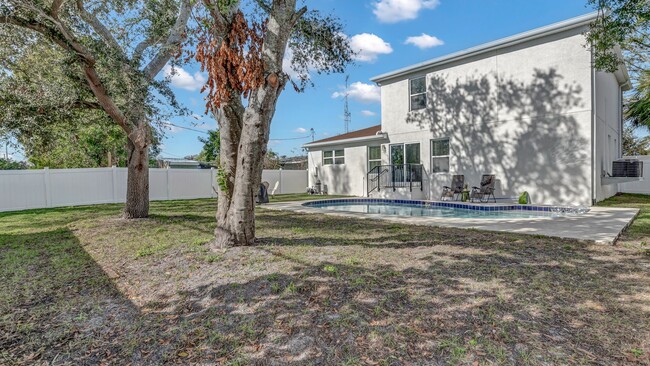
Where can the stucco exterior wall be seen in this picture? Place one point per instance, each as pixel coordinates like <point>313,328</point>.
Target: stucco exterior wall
<point>535,114</point>
<point>608,126</point>
<point>522,113</point>
<point>341,179</point>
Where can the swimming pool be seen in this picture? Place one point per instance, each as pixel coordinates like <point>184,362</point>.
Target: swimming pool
<point>444,209</point>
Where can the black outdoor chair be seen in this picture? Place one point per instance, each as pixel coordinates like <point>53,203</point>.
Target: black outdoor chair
<point>483,193</point>
<point>456,190</point>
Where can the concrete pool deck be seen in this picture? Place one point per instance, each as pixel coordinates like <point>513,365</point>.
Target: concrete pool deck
<point>601,224</point>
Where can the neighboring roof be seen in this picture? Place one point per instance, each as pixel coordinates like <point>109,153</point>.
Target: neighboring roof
<point>491,46</point>
<point>358,134</point>
<point>177,161</point>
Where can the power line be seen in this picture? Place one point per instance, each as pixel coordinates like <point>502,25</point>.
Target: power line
<point>174,155</point>
<point>292,138</point>
<point>207,133</point>
<point>185,128</point>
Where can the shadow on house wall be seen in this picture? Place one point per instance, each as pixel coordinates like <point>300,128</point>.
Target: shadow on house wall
<point>527,133</point>
<point>338,177</point>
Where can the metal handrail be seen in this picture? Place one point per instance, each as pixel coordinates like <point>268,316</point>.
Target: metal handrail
<point>401,176</point>
<point>380,174</point>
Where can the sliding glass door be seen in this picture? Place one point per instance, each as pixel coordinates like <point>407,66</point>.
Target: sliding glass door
<point>401,156</point>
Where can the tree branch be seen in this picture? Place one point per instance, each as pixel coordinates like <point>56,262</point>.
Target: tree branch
<point>99,27</point>
<point>216,15</point>
<point>296,17</point>
<point>173,40</point>
<point>48,32</point>
<point>262,4</point>
<point>141,47</point>
<point>56,6</point>
<point>62,37</point>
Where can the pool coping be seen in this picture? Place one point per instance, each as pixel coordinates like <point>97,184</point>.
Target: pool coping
<point>602,225</point>
<point>476,206</point>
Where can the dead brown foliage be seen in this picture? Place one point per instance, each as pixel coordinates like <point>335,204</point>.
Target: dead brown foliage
<point>232,59</point>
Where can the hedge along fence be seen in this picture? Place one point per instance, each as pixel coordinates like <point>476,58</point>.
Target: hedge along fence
<point>25,189</point>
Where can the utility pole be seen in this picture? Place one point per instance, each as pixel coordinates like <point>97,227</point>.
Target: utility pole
<point>312,133</point>
<point>347,116</point>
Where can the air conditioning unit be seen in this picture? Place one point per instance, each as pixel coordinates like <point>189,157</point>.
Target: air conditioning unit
<point>627,168</point>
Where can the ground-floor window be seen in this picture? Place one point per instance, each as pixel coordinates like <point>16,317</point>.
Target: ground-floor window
<point>440,155</point>
<point>374,157</point>
<point>333,157</point>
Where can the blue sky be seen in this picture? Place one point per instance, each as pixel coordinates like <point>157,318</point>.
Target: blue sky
<point>388,34</point>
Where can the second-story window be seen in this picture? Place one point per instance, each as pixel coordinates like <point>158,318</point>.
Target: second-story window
<point>418,92</point>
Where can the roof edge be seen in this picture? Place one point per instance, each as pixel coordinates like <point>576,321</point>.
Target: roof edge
<point>379,136</point>
<point>491,46</point>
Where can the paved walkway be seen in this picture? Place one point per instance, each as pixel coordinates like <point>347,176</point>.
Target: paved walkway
<point>600,224</point>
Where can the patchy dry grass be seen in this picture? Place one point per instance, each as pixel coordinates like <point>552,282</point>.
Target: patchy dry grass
<point>81,286</point>
<point>638,235</point>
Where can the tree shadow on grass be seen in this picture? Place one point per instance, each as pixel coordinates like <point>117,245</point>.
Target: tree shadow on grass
<point>58,306</point>
<point>417,295</point>
<point>330,291</point>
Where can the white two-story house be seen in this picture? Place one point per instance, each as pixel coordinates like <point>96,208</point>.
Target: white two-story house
<point>530,109</point>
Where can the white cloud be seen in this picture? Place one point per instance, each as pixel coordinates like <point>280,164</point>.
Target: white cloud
<point>182,79</point>
<point>367,47</point>
<point>300,130</point>
<point>424,41</point>
<point>367,113</point>
<point>393,11</point>
<point>365,93</point>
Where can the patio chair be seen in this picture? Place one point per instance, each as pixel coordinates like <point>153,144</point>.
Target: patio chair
<point>456,189</point>
<point>483,193</point>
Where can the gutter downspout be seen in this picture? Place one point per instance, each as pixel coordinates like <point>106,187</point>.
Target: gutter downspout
<point>594,174</point>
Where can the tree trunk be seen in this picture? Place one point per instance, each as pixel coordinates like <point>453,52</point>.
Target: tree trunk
<point>137,186</point>
<point>230,134</point>
<point>243,170</point>
<point>245,134</point>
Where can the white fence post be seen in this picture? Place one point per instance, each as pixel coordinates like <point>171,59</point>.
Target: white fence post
<point>212,182</point>
<point>114,176</point>
<point>168,188</point>
<point>48,187</point>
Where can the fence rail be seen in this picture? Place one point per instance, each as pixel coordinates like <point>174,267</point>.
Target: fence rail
<point>25,189</point>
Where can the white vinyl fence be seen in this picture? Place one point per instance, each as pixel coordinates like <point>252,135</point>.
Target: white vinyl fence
<point>24,189</point>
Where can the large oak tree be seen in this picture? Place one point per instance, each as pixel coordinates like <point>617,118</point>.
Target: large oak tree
<point>118,47</point>
<point>243,53</point>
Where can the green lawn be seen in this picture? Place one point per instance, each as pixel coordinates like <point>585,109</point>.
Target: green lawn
<point>638,234</point>
<point>82,286</point>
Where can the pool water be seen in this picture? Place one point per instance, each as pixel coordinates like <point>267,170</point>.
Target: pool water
<point>421,209</point>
